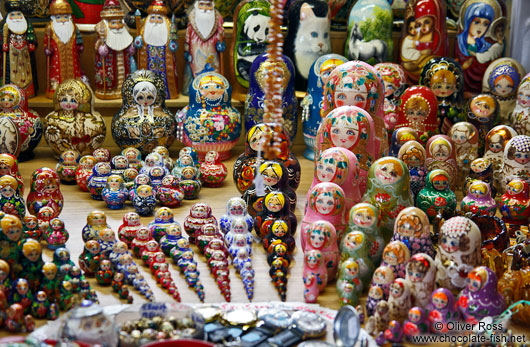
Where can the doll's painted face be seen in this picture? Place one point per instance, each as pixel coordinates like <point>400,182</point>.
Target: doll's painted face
<point>349,93</point>
<point>69,102</point>
<point>317,238</point>
<point>387,173</point>
<point>51,187</point>
<point>396,289</point>
<point>440,182</point>
<point>515,187</point>
<point>274,204</point>
<point>114,182</point>
<point>375,292</point>
<point>4,169</point>
<point>522,157</point>
<point>483,107</point>
<point>145,192</point>
<point>7,191</point>
<point>211,87</point>
<point>239,227</point>
<point>380,275</point>
<point>418,113</point>
<point>98,219</point>
<point>390,257</point>
<point>104,265</point>
<point>186,160</point>
<point>133,219</point>
<point>443,84</point>
<point>352,268</point>
<point>255,140</point>
<point>312,260</point>
<point>119,247</point>
<point>414,315</point>
<point>460,136</point>
<point>474,282</point>
<point>503,86</point>
<point>210,157</point>
<point>31,223</point>
<point>270,175</point>
<point>69,158</point>
<point>107,235</point>
<point>496,144</point>
<point>165,215</point>
<point>440,150</point>
<point>406,229</point>
<point>188,173</point>
<point>279,229</point>
<point>364,217</point>
<point>93,247</point>
<point>523,97</point>
<point>353,240</point>
<point>416,272</point>
<point>324,203</point>
<point>143,179</point>
<point>57,224</point>
<point>425,24</point>
<point>121,162</point>
<point>200,211</point>
<point>49,271</point>
<point>237,209</point>
<point>144,93</point>
<point>13,233</point>
<point>439,300</point>
<point>344,134</point>
<point>7,100</point>
<point>326,171</point>
<point>22,287</point>
<point>478,27</point>
<point>45,213</point>
<point>449,244</point>
<point>478,190</point>
<point>390,88</point>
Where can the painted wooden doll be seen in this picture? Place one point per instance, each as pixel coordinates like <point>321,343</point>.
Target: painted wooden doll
<point>395,82</point>
<point>57,235</point>
<point>396,255</point>
<point>413,229</point>
<point>95,222</point>
<point>442,309</point>
<point>138,181</point>
<point>9,166</point>
<point>515,160</point>
<point>365,218</point>
<point>321,235</point>
<point>417,323</point>
<point>388,189</point>
<point>278,233</point>
<point>189,182</point>
<point>164,218</point>
<point>74,124</point>
<point>30,226</point>
<point>235,208</point>
<point>84,171</point>
<point>156,174</point>
<point>315,275</point>
<point>483,112</point>
<point>213,172</point>
<point>418,109</point>
<point>254,101</point>
<point>481,170</point>
<point>67,166</point>
<point>441,155</point>
<point>314,99</point>
<point>308,29</point>
<point>210,122</point>
<point>515,203</point>
<point>275,207</point>
<point>143,121</point>
<point>466,141</point>
<point>478,199</point>
<point>169,193</point>
<point>118,164</point>
<point>399,299</point>
<point>437,195</point>
<point>102,155</point>
<point>502,77</point>
<point>90,258</point>
<point>115,194</point>
<point>144,200</point>
<point>98,180</point>
<point>200,214</point>
<point>11,199</point>
<point>496,141</point>
<point>458,252</point>
<point>45,215</point>
<point>520,117</point>
<point>400,137</point>
<point>238,226</point>
<point>379,288</point>
<point>413,154</point>
<point>424,35</point>
<point>421,273</point>
<point>354,245</point>
<point>45,191</point>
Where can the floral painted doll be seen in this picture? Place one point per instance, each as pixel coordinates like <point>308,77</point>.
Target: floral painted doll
<point>395,255</point>
<point>321,235</point>
<point>520,117</point>
<point>213,171</point>
<point>364,217</point>
<point>44,217</point>
<point>106,239</point>
<point>22,294</point>
<point>442,309</point>
<point>496,141</point>
<point>98,180</point>
<point>275,207</point>
<point>481,170</point>
<point>399,299</point>
<point>164,218</point>
<point>200,214</point>
<point>413,154</point>
<point>189,182</point>
<point>478,200</point>
<point>326,202</point>
<point>152,160</point>
<point>90,258</point>
<point>279,232</point>
<point>118,164</point>
<point>400,137</point>
<point>170,239</point>
<point>11,200</point>
<point>45,191</point>
<point>349,286</point>
<point>62,260</point>
<point>417,323</point>
<point>437,195</point>
<point>57,234</point>
<point>169,193</point>
<point>9,166</point>
<point>441,155</point>
<point>30,226</point>
<point>395,82</point>
<point>465,138</point>
<point>32,262</point>
<point>515,203</point>
<point>139,180</point>
<point>84,171</point>
<point>516,160</point>
<point>354,245</point>
<point>67,166</point>
<point>483,112</point>
<point>379,288</point>
<point>421,273</point>
<point>115,194</point>
<point>235,208</point>
<point>144,200</point>
<point>95,222</point>
<point>413,229</point>
<point>315,275</point>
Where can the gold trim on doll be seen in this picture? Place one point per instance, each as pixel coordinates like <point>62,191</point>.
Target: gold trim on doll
<point>278,68</point>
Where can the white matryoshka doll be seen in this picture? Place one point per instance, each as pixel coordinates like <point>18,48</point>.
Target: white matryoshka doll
<point>421,273</point>
<point>458,252</point>
<point>322,236</point>
<point>413,229</point>
<point>441,155</point>
<point>340,166</point>
<point>465,139</point>
<point>352,128</point>
<point>520,117</point>
<point>496,140</point>
<point>516,160</point>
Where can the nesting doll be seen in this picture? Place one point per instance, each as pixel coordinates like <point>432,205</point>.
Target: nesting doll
<point>380,287</point>
<point>238,226</point>
<point>395,82</point>
<point>153,160</point>
<point>416,323</point>
<point>156,174</point>
<point>483,112</point>
<point>164,152</point>
<point>418,109</point>
<point>30,226</point>
<point>276,207</point>
<point>441,155</point>
<point>356,83</point>
<point>189,182</point>
<point>465,138</point>
<point>213,172</point>
<point>354,245</point>
<point>279,233</point>
<point>45,215</point>
<point>480,298</point>
<point>129,175</point>
<point>424,35</point>
<point>349,286</point>
<point>169,193</point>
<point>139,243</point>
<point>57,235</point>
<point>11,200</point>
<point>478,199</point>
<point>67,166</point>
<point>98,180</point>
<point>365,218</point>
<point>170,239</point>
<point>515,203</point>
<point>210,122</point>
<point>413,154</point>
<point>399,299</point>
<point>95,222</point>
<point>400,137</point>
<point>102,155</point>
<point>520,117</point>
<point>143,121</point>
<point>315,275</point>
<point>482,170</point>
<point>502,77</point>
<point>90,258</point>
<point>256,93</point>
<point>246,163</point>
<point>144,200</point>
<point>45,191</point>
<point>314,99</point>
<point>9,166</point>
<point>118,164</point>
<point>322,235</point>
<point>396,255</point>
<point>133,156</point>
<point>164,218</point>
<point>388,189</point>
<point>200,214</point>
<point>421,273</point>
<point>115,194</point>
<point>74,124</point>
<point>413,229</point>
<point>516,160</point>
<point>437,195</point>
<point>84,171</point>
<point>307,38</point>
<point>458,252</point>
<point>442,309</point>
<point>496,141</point>
<point>235,208</point>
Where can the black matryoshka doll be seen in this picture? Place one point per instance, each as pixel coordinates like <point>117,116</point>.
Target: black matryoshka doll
<point>275,207</point>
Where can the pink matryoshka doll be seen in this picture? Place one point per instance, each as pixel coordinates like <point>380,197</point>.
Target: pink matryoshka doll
<point>441,155</point>
<point>45,191</point>
<point>322,236</point>
<point>352,128</point>
<point>315,275</point>
<point>395,82</point>
<point>357,83</point>
<point>418,109</point>
<point>340,166</point>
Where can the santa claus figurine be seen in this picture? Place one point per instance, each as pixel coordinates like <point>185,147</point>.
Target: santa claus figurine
<point>204,41</point>
<point>62,46</point>
<point>114,52</point>
<point>18,47</point>
<point>157,44</point>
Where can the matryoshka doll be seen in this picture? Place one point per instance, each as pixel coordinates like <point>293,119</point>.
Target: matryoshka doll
<point>9,166</point>
<point>213,172</point>
<point>133,156</point>
<point>314,99</point>
<point>152,160</point>
<point>144,200</point>
<point>480,298</point>
<point>164,152</point>
<point>200,214</point>
<point>95,222</point>
<point>235,208</point>
<point>482,170</point>
<point>400,137</point>
<point>516,160</point>
<point>210,122</point>
<point>354,245</point>
<point>156,174</point>
<point>254,109</point>
<point>315,275</point>
<point>502,79</point>
<point>365,218</point>
<point>189,182</point>
<point>496,141</point>
<point>441,155</point>
<point>379,288</point>
<point>139,242</point>
<point>437,195</point>
<point>129,175</point>
<point>417,323</point>
<point>322,236</point>
<point>445,78</point>
<point>32,262</point>
<point>30,226</point>
<point>90,258</point>
<point>442,309</point>
<point>118,164</point>
<point>84,171</point>
<point>278,232</point>
<point>480,39</point>
<point>413,154</point>
<point>275,207</point>
<point>421,273</point>
<point>170,239</point>
<point>102,155</point>
<point>389,190</point>
<point>458,252</point>
<point>399,299</point>
<point>483,112</point>
<point>138,181</point>
<point>520,117</point>
<point>164,218</point>
<point>238,226</point>
<point>465,139</point>
<point>418,109</point>
<point>169,193</point>
<point>413,229</point>
<point>45,191</point>
<point>74,124</point>
<point>67,166</point>
<point>515,203</point>
<point>478,199</point>
<point>424,35</point>
<point>349,286</point>
<point>396,255</point>
<point>115,194</point>
<point>143,121</point>
<point>98,180</point>
<point>395,82</point>
<point>11,200</point>
<point>57,235</point>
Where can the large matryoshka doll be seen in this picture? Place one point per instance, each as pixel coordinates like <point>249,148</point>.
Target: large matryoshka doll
<point>502,79</point>
<point>356,83</point>
<point>74,124</point>
<point>340,166</point>
<point>480,39</point>
<point>441,154</point>
<point>45,191</point>
<point>351,128</point>
<point>520,118</point>
<point>9,166</point>
<point>143,121</point>
<point>418,109</point>
<point>254,103</point>
<point>326,202</point>
<point>313,101</point>
<point>516,160</point>
<point>245,165</point>
<point>388,189</point>
<point>496,141</point>
<point>413,229</point>
<point>210,122</point>
<point>483,112</point>
<point>424,35</point>
<point>446,79</point>
<point>395,82</point>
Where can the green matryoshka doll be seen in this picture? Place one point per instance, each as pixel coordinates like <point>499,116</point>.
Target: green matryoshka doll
<point>355,245</point>
<point>364,217</point>
<point>437,194</point>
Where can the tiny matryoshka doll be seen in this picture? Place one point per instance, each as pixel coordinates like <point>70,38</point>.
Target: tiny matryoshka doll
<point>458,252</point>
<point>441,155</point>
<point>143,121</point>
<point>315,275</point>
<point>417,323</point>
<point>399,137</point>
<point>11,200</point>
<point>30,227</point>
<point>278,232</point>
<point>189,182</point>
<point>478,199</point>
<point>399,299</point>
<point>213,172</point>
<point>482,170</point>
<point>396,255</point>
<point>413,229</point>
<point>67,166</point>
<point>163,220</point>
<point>170,239</point>
<point>118,164</point>
<point>418,109</point>
<point>210,122</point>
<point>238,226</point>
<point>437,195</point>
<point>465,139</point>
<point>365,218</point>
<point>413,154</point>
<point>520,117</point>
<point>276,207</point>
<point>421,273</point>
<point>442,309</point>
<point>84,171</point>
<point>349,286</point>
<point>501,79</point>
<point>102,155</point>
<point>480,298</point>
<point>115,194</point>
<point>515,203</point>
<point>388,189</point>
<point>354,245</point>
<point>445,78</point>
<point>235,208</point>
<point>200,214</point>
<point>395,82</point>
<point>169,193</point>
<point>95,222</point>
<point>164,152</point>
<point>45,191</point>
<point>379,288</point>
<point>90,258</point>
<point>9,166</point>
<point>496,141</point>
<point>483,112</point>
<point>144,200</point>
<point>314,99</point>
<point>98,180</point>
<point>516,160</point>
<point>322,236</point>
<point>56,235</point>
<point>424,35</point>
<point>74,124</point>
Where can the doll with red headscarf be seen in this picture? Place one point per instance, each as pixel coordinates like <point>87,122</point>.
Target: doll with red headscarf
<point>45,191</point>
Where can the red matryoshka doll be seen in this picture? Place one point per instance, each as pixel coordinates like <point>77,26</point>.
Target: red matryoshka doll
<point>340,166</point>
<point>213,171</point>
<point>275,207</point>
<point>357,83</point>
<point>424,35</point>
<point>395,82</point>
<point>516,160</point>
<point>200,214</point>
<point>9,166</point>
<point>45,191</point>
<point>441,155</point>
<point>67,166</point>
<point>515,203</point>
<point>322,236</point>
<point>418,109</point>
<point>520,117</point>
<point>351,128</point>
<point>84,171</point>
<point>131,224</point>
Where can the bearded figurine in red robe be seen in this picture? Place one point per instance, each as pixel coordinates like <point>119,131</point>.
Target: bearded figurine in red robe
<point>157,45</point>
<point>62,46</point>
<point>114,52</point>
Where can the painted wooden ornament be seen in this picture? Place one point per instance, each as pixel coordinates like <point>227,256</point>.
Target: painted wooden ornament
<point>45,191</point>
<point>437,195</point>
<point>213,171</point>
<point>115,194</point>
<point>11,197</point>
<point>441,155</point>
<point>520,116</point>
<point>421,273</point>
<point>466,140</point>
<point>98,180</point>
<point>401,136</point>
<point>322,236</point>
<point>275,207</point>
<point>413,229</point>
<point>355,246</point>
<point>364,217</point>
<point>478,200</point>
<point>67,166</point>
<point>515,203</point>
<point>395,82</point>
